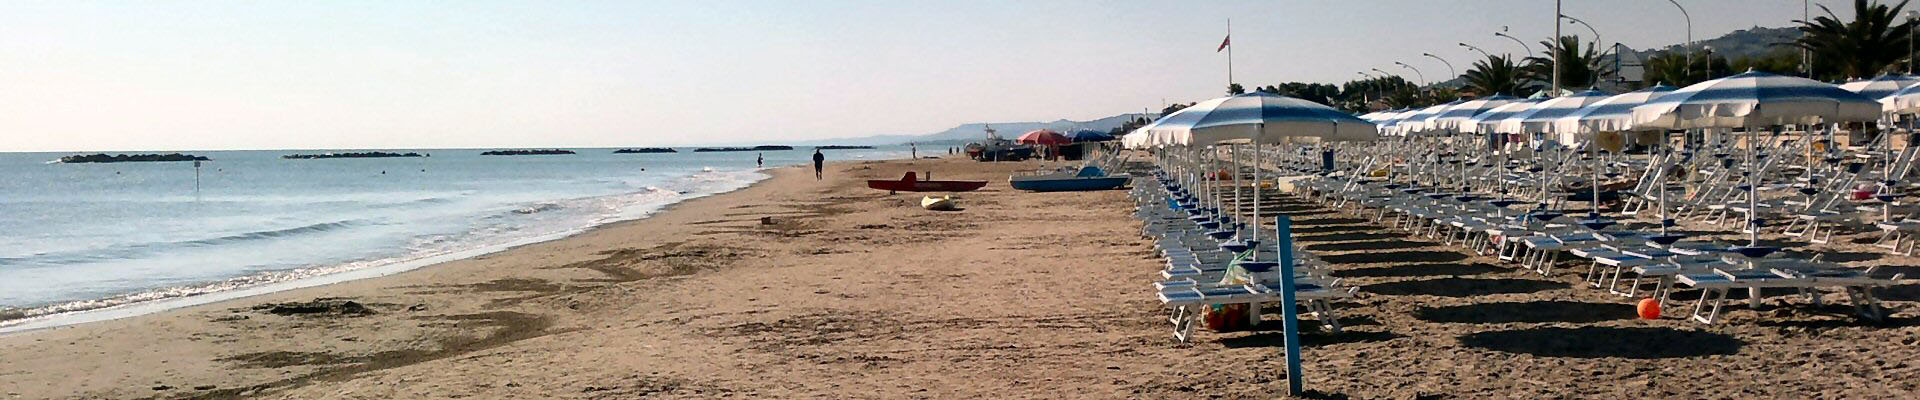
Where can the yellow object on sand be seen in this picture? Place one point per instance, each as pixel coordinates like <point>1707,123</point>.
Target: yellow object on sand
<point>942,203</point>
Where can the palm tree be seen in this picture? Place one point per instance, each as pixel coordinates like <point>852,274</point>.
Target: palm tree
<point>1868,45</point>
<point>1579,67</point>
<point>1670,68</point>
<point>1496,75</point>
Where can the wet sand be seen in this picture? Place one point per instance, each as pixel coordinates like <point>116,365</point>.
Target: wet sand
<point>796,288</point>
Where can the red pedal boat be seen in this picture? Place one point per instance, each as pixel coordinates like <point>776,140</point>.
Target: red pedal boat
<point>911,184</point>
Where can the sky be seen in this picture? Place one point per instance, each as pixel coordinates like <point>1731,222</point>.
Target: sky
<point>344,74</point>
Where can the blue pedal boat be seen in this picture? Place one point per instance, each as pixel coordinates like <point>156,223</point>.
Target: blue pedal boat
<point>1069,180</point>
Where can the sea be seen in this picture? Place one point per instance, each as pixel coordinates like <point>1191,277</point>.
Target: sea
<point>94,241</point>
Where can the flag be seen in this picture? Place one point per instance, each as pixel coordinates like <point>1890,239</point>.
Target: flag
<point>1224,43</point>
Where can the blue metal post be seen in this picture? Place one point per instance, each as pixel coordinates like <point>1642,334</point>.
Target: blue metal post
<point>1284,233</point>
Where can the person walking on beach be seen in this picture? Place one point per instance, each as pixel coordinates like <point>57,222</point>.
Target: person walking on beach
<point>819,163</point>
<point>760,161</point>
<point>913,151</point>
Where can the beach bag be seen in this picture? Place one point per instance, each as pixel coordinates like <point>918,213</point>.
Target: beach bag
<point>1225,317</point>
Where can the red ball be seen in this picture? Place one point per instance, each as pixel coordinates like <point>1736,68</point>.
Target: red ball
<point>1649,309</point>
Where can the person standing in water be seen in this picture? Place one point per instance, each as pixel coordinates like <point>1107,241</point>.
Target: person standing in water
<point>819,163</point>
<point>759,161</point>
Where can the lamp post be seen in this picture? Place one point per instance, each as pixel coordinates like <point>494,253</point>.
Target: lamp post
<point>1523,44</point>
<point>1683,13</point>
<point>1596,32</point>
<point>1806,55</point>
<point>1416,72</point>
<point>1450,71</point>
<point>1910,16</point>
<point>1470,47</point>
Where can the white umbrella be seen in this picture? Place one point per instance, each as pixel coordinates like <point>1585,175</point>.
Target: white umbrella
<point>1417,122</point>
<point>1455,118</point>
<point>1535,119</point>
<point>1904,101</point>
<point>1612,114</point>
<point>1754,100</point>
<point>1880,86</point>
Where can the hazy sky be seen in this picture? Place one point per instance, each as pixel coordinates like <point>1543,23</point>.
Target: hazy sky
<point>165,75</point>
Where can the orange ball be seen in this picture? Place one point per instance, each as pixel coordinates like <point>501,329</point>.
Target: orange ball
<point>1649,309</point>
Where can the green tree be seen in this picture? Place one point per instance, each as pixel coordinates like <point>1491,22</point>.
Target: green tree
<point>1871,44</point>
<point>1235,89</point>
<point>1496,75</point>
<point>1671,68</point>
<point>1580,66</point>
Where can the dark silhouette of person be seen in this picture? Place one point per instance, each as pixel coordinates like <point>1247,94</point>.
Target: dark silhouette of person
<point>760,161</point>
<point>819,164</point>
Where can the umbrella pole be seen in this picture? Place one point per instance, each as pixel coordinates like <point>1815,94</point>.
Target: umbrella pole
<point>1753,189</point>
<point>1256,194</point>
<point>1233,152</point>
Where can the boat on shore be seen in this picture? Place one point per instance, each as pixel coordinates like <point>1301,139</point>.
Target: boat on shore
<point>1069,180</point>
<point>912,183</point>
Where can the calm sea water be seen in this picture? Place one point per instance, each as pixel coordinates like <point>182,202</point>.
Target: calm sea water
<point>84,236</point>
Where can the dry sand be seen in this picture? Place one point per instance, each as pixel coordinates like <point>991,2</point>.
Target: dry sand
<point>854,293</point>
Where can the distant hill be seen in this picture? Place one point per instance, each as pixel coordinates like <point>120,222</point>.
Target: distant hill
<point>975,131</point>
<point>1751,42</point>
<point>978,130</point>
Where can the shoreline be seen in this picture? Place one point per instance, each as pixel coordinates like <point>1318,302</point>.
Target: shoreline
<point>139,308</point>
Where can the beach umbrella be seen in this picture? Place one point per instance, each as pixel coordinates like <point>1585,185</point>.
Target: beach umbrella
<point>1612,114</point>
<point>1087,135</point>
<point>1754,100</point>
<point>1485,122</point>
<point>1535,119</point>
<point>1880,86</point>
<point>1258,118</point>
<point>1416,122</point>
<point>1263,118</point>
<point>1903,101</point>
<point>1453,119</point>
<point>1043,137</point>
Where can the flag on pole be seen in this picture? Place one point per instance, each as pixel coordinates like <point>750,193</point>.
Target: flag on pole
<point>1224,43</point>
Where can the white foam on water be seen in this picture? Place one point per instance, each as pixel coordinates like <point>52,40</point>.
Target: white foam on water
<point>518,225</point>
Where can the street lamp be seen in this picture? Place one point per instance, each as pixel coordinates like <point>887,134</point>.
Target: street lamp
<point>1482,52</point>
<point>1596,33</point>
<point>1450,71</point>
<point>1416,72</point>
<point>1523,44</point>
<point>1910,16</point>
<point>1683,13</point>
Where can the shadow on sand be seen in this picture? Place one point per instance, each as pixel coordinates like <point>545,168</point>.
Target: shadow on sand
<point>1328,221</point>
<point>1392,244</point>
<point>1462,287</point>
<point>1412,270</point>
<point>1346,237</point>
<point>1531,312</point>
<point>1414,256</point>
<point>1599,342</point>
<point>1276,338</point>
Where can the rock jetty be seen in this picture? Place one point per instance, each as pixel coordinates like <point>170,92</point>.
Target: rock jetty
<point>754,148</point>
<point>370,154</point>
<point>526,152</point>
<point>104,158</point>
<point>644,150</point>
<point>841,147</point>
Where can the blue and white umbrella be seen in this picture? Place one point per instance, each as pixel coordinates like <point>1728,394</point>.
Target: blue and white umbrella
<point>1535,120</point>
<point>1417,122</point>
<point>1753,100</point>
<point>1485,122</point>
<point>1904,101</point>
<point>1456,118</point>
<point>1260,118</point>
<point>1881,86</point>
<point>1612,114</point>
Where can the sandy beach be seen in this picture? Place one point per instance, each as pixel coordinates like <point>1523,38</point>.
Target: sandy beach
<point>797,288</point>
